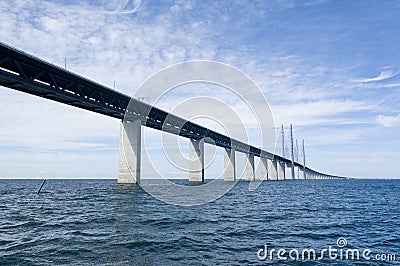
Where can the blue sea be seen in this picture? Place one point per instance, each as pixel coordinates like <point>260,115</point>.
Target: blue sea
<point>98,222</point>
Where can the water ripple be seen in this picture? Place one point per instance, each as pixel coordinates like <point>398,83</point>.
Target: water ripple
<point>97,222</point>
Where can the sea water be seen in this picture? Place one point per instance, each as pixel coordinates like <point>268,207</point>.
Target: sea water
<point>97,222</point>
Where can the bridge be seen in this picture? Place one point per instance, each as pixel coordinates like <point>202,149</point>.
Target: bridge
<point>26,73</point>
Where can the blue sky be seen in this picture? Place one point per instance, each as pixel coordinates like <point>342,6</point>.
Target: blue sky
<point>331,68</point>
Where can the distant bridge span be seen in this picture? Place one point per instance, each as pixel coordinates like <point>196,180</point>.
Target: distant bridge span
<point>23,72</point>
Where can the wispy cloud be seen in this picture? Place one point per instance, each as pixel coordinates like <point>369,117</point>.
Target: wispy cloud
<point>388,121</point>
<point>390,85</point>
<point>321,112</point>
<point>385,74</point>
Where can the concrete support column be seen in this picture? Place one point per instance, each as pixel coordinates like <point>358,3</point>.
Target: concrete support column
<point>263,168</point>
<point>129,152</point>
<point>196,163</point>
<point>281,171</point>
<point>274,170</point>
<point>229,165</point>
<point>250,176</point>
<point>291,167</point>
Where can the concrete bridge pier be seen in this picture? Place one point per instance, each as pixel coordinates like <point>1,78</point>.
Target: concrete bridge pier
<point>274,170</point>
<point>250,173</point>
<point>301,173</point>
<point>130,151</point>
<point>229,165</point>
<point>196,163</point>
<point>290,166</point>
<point>263,168</point>
<point>281,171</point>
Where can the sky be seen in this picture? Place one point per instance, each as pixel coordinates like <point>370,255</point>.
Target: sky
<point>330,68</point>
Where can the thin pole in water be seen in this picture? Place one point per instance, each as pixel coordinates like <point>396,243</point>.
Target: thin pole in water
<point>41,186</point>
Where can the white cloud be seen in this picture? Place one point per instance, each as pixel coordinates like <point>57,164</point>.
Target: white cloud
<point>385,74</point>
<point>388,121</point>
<point>317,112</point>
<point>391,85</point>
<point>333,135</point>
